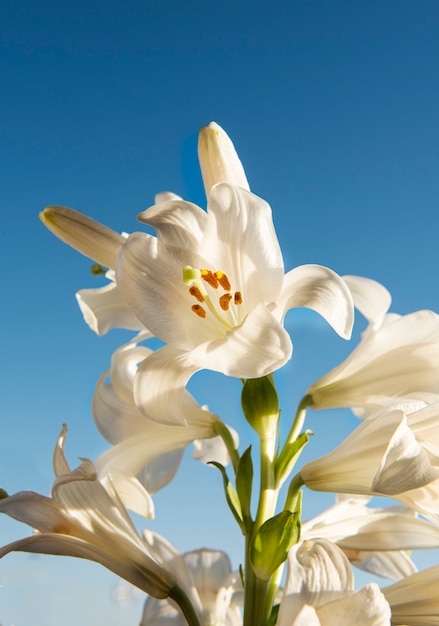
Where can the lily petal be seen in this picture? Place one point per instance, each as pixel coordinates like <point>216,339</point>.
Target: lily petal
<point>370,297</point>
<point>104,308</point>
<point>318,288</point>
<point>144,577</point>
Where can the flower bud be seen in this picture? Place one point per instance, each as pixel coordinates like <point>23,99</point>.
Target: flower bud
<point>260,405</point>
<point>219,161</point>
<point>89,237</point>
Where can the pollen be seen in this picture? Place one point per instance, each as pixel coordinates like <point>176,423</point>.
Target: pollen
<point>224,301</point>
<point>194,291</point>
<point>223,280</point>
<point>210,278</point>
<point>237,298</point>
<point>198,310</point>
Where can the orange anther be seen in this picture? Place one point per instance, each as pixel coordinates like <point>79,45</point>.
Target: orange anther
<point>224,301</point>
<point>194,291</point>
<point>237,298</point>
<point>223,280</point>
<point>198,310</point>
<point>210,278</point>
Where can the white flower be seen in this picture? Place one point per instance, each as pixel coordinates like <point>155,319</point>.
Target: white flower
<point>86,520</point>
<point>319,591</point>
<point>212,286</point>
<point>398,359</point>
<point>143,448</point>
<point>415,599</point>
<point>391,454</point>
<point>206,577</point>
<point>376,540</point>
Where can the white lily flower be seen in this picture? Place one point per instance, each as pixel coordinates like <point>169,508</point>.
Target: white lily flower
<point>83,519</point>
<point>206,577</point>
<point>104,308</point>
<point>390,454</point>
<point>398,359</point>
<point>319,591</point>
<point>415,600</point>
<point>143,448</point>
<point>211,285</point>
<point>376,540</point>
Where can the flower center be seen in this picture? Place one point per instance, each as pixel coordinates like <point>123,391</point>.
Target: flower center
<point>197,281</point>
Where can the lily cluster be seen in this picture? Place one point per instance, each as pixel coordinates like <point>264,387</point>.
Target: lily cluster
<point>211,285</point>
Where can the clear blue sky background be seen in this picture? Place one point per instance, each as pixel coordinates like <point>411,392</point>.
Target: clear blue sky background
<point>333,106</point>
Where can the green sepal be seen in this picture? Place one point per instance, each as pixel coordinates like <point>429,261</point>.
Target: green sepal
<point>272,620</point>
<point>244,483</point>
<point>231,495</point>
<point>260,404</point>
<point>272,542</point>
<point>287,458</point>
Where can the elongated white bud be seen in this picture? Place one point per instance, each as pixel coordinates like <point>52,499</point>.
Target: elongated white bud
<point>219,161</point>
<point>89,237</point>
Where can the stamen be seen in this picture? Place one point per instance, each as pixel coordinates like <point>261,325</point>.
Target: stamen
<point>198,310</point>
<point>224,301</point>
<point>194,291</point>
<point>223,280</point>
<point>210,278</point>
<point>237,298</point>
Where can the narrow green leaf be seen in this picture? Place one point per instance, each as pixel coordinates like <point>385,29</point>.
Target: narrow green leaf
<point>244,483</point>
<point>231,495</point>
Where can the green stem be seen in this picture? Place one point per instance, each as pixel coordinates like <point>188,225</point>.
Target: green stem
<point>178,595</point>
<point>299,420</point>
<point>221,429</point>
<point>293,493</point>
<point>268,492</point>
<point>255,593</point>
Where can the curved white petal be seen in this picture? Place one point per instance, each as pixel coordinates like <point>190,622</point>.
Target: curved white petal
<point>390,564</point>
<point>318,288</point>
<point>132,493</point>
<point>242,241</point>
<point>116,419</point>
<point>37,511</point>
<point>415,600</point>
<point>178,223</point>
<point>317,568</point>
<point>165,196</point>
<point>150,278</point>
<point>134,453</point>
<point>161,613</point>
<point>365,607</point>
<point>256,348</point>
<point>104,308</point>
<point>161,470</point>
<point>160,382</point>
<point>149,577</point>
<point>398,360</point>
<point>370,297</point>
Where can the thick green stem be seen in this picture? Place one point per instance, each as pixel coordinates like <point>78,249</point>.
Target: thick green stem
<point>178,595</point>
<point>255,593</point>
<point>268,492</point>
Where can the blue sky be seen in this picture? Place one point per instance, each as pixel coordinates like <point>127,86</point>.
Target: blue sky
<point>332,106</point>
